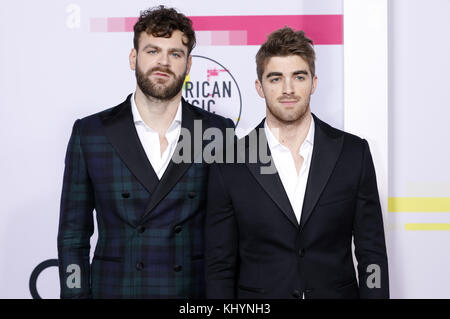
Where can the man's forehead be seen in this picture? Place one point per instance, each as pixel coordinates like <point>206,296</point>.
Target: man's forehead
<point>290,63</point>
<point>177,38</point>
<point>282,61</point>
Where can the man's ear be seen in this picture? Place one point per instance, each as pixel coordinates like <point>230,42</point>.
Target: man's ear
<point>189,64</point>
<point>259,88</point>
<point>314,84</point>
<point>133,57</point>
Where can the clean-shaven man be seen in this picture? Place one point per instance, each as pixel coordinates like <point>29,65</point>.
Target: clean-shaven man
<point>288,234</point>
<point>150,209</point>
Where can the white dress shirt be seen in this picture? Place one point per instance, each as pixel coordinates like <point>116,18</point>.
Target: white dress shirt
<point>150,139</point>
<point>294,184</point>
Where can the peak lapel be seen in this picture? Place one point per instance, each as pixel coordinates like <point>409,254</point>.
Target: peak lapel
<point>271,183</point>
<point>121,132</point>
<point>326,151</point>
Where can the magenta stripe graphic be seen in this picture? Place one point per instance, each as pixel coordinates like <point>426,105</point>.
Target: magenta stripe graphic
<point>243,30</point>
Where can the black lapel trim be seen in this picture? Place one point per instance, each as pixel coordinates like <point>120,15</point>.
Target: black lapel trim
<point>327,148</point>
<point>271,183</point>
<point>174,171</point>
<point>121,132</point>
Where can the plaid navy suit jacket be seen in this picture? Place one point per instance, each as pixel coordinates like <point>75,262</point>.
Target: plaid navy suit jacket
<point>150,232</point>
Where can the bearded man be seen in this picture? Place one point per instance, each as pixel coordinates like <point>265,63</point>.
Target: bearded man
<point>149,208</point>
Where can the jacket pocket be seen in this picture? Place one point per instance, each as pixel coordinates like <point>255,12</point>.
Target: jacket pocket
<point>336,201</point>
<point>108,258</point>
<point>251,289</point>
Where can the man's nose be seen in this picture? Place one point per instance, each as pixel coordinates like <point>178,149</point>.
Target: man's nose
<point>288,86</point>
<point>164,59</point>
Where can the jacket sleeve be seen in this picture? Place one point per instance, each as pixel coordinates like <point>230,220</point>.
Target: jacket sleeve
<point>368,231</point>
<point>75,222</point>
<point>221,239</point>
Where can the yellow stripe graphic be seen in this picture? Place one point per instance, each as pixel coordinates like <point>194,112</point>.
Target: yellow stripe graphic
<point>427,226</point>
<point>419,204</point>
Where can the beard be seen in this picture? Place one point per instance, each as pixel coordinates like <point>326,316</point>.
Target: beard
<point>290,116</point>
<point>157,89</point>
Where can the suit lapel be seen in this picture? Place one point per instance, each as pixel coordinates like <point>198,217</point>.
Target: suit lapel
<point>121,132</point>
<point>175,171</point>
<point>326,151</point>
<point>271,183</point>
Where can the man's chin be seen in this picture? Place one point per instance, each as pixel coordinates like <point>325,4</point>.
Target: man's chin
<point>290,118</point>
<point>161,82</point>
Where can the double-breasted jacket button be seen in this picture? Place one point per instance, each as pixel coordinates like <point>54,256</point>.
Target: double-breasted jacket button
<point>178,268</point>
<point>177,229</point>
<point>140,229</point>
<point>140,266</point>
<point>192,194</point>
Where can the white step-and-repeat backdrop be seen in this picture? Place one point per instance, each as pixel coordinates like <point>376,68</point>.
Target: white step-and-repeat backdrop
<point>63,60</point>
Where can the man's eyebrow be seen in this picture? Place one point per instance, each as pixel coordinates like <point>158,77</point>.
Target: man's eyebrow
<point>273,74</point>
<point>148,46</point>
<point>300,72</point>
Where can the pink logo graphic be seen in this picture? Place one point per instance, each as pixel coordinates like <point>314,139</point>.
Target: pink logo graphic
<point>213,72</point>
<point>243,30</point>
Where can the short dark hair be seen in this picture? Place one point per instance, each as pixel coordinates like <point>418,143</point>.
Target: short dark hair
<point>161,21</point>
<point>284,42</point>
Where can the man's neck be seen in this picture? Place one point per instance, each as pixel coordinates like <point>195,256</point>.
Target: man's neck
<point>157,114</point>
<point>292,135</point>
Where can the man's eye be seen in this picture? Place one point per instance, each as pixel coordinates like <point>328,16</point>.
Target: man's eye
<point>274,80</point>
<point>152,52</point>
<point>299,77</point>
<point>177,55</point>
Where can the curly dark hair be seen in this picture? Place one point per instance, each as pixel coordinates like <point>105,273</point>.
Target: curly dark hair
<point>284,42</point>
<point>161,21</point>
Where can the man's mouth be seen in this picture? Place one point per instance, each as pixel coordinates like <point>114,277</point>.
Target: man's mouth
<point>288,101</point>
<point>161,74</point>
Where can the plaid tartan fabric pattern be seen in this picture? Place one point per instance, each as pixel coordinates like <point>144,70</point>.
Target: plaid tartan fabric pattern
<point>158,255</point>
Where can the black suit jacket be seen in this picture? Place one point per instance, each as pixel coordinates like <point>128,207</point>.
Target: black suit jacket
<point>257,249</point>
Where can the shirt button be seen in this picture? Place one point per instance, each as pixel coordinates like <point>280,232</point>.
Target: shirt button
<point>125,194</point>
<point>140,266</point>
<point>178,268</point>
